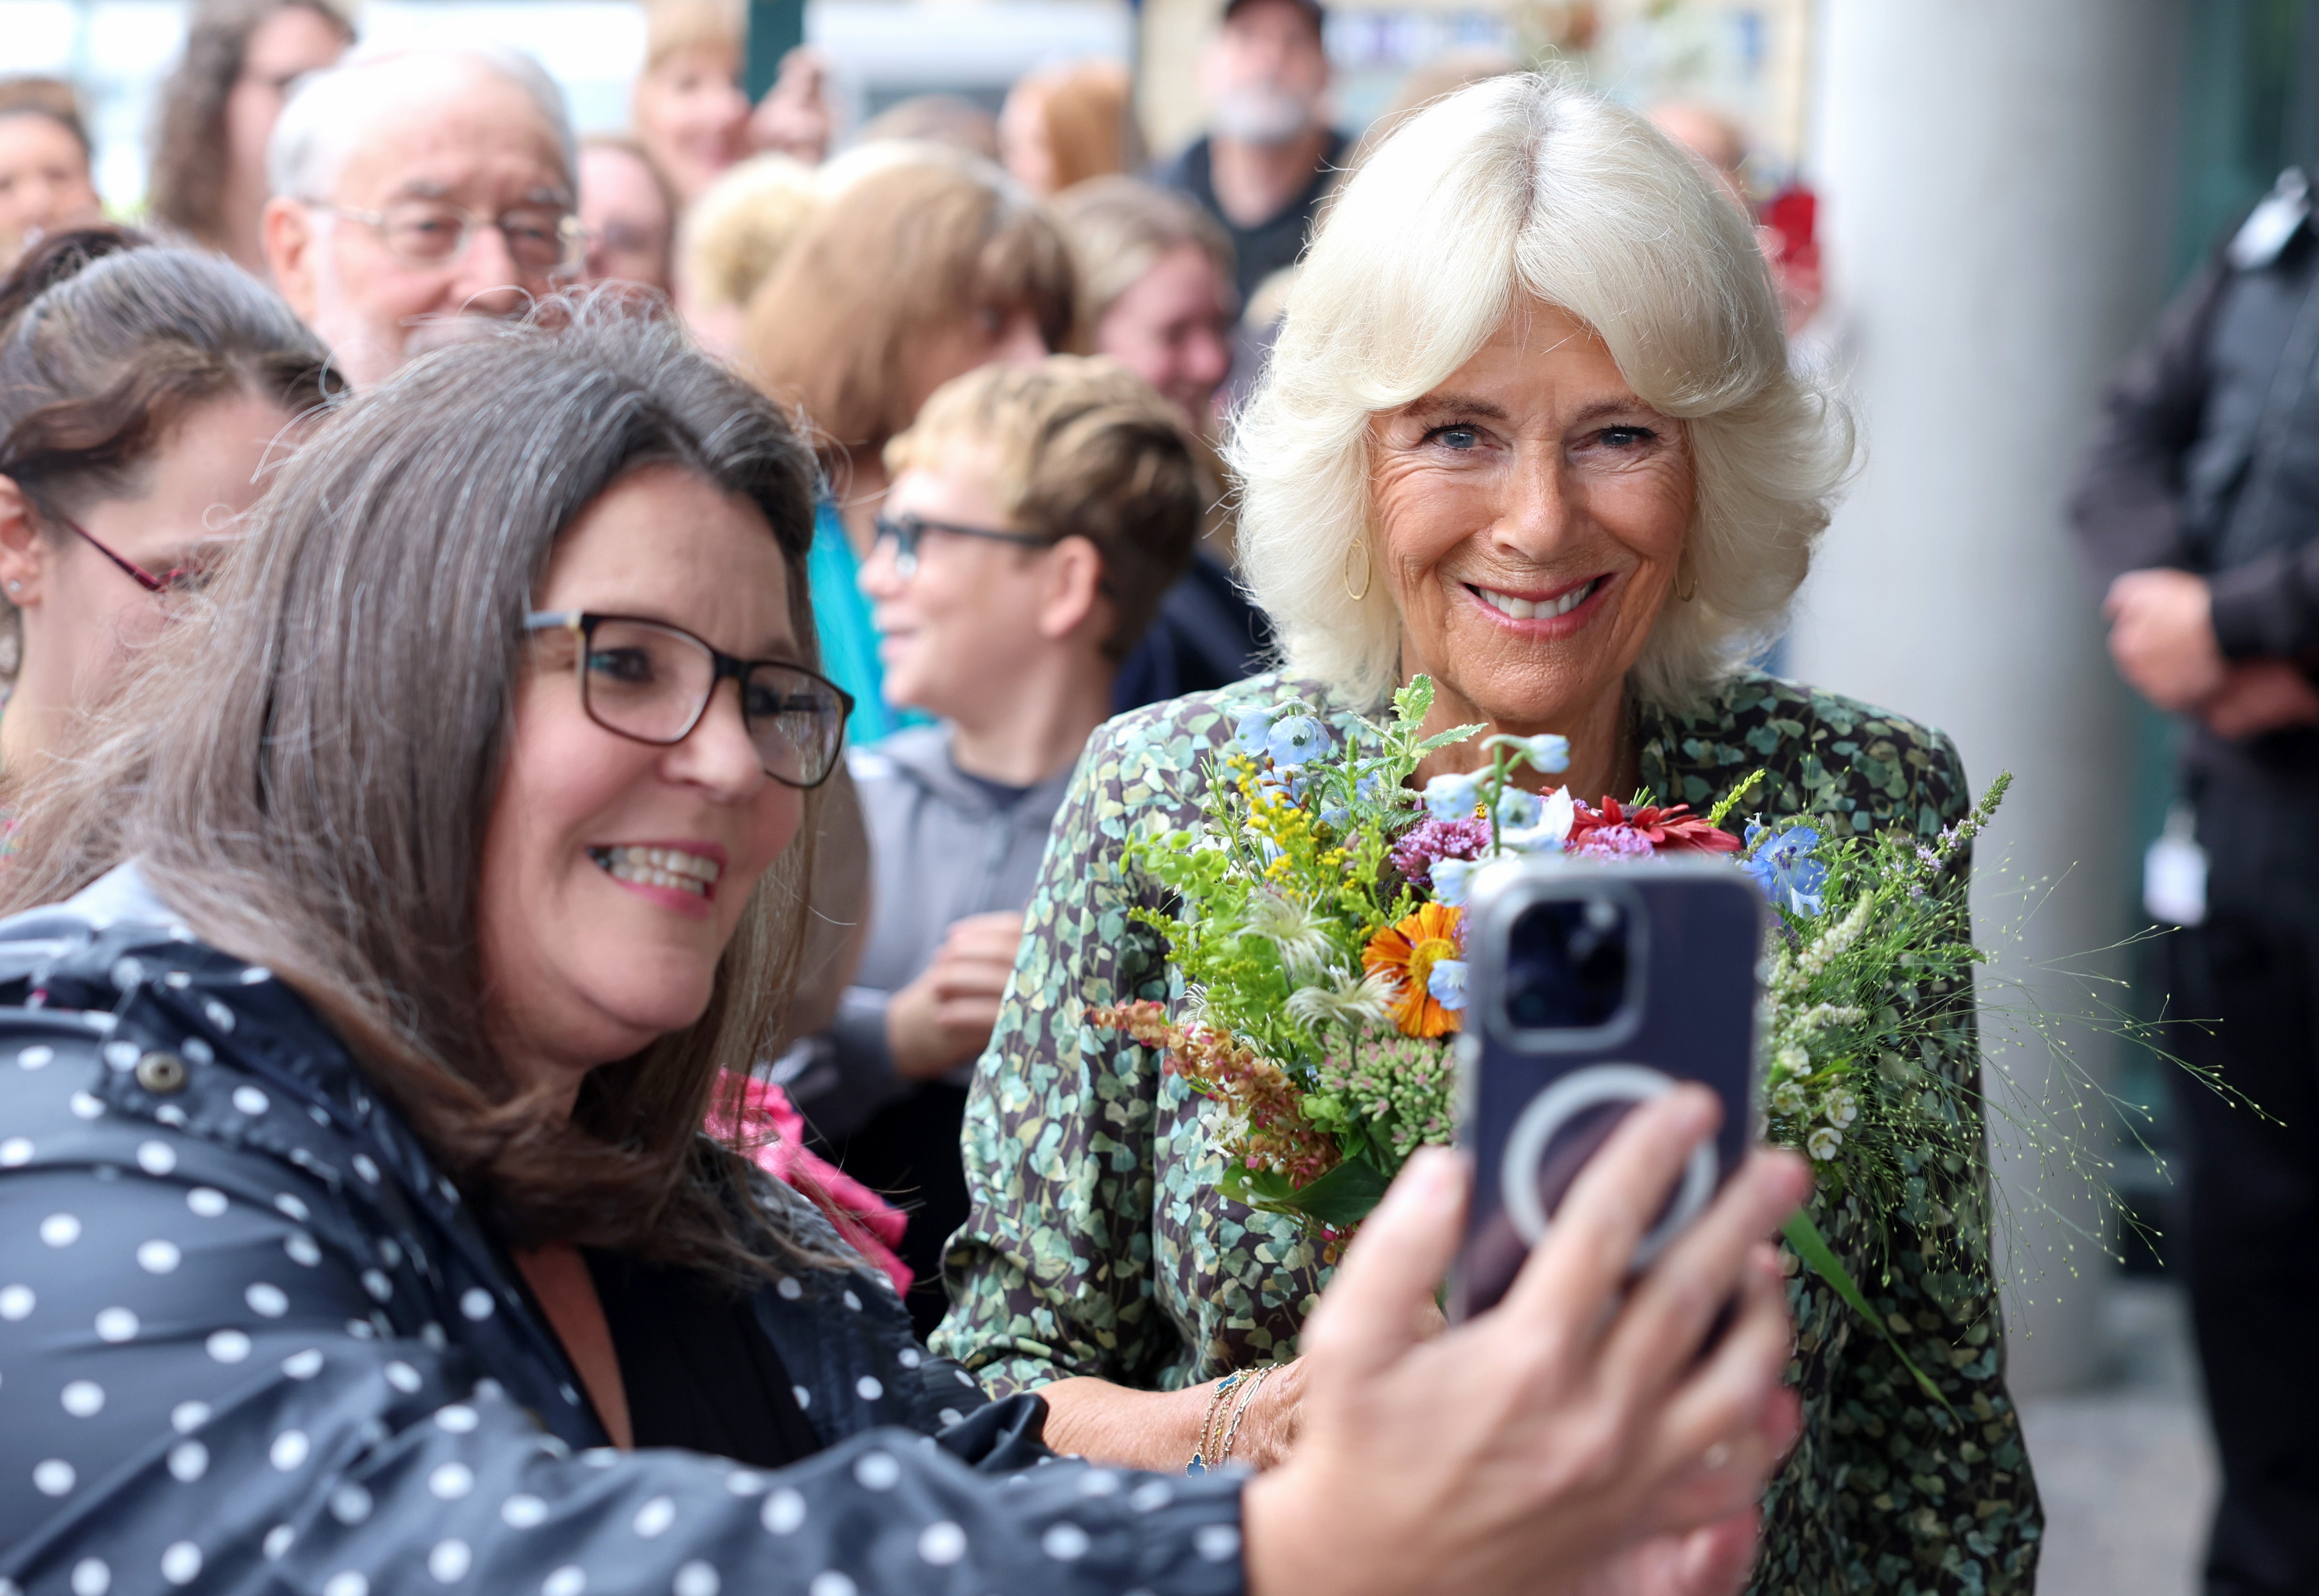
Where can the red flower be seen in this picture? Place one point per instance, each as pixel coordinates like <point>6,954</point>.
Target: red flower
<point>1671,829</point>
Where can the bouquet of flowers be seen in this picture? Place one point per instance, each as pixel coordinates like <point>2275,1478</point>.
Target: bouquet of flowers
<point>1317,935</point>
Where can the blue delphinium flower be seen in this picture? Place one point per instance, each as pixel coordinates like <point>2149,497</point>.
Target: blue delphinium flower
<point>1517,810</point>
<point>1250,733</point>
<point>1451,880</point>
<point>1783,867</point>
<point>1454,797</point>
<point>1296,739</point>
<point>1446,982</point>
<point>1546,754</point>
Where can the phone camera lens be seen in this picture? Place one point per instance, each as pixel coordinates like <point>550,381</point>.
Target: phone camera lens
<point>1567,964</point>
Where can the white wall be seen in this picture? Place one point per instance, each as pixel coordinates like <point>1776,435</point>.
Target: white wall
<point>1996,180</point>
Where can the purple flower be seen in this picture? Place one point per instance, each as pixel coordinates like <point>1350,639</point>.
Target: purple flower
<point>1430,840</point>
<point>1612,842</point>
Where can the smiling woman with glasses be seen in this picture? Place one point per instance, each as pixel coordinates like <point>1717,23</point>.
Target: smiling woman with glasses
<point>141,390</point>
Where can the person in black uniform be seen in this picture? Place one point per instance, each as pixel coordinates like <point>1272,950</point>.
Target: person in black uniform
<point>2199,509</point>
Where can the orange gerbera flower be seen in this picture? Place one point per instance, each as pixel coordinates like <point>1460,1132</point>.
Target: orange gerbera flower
<point>1408,951</point>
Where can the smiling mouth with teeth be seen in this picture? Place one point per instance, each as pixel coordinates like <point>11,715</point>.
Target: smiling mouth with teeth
<point>672,869</point>
<point>1514,609</point>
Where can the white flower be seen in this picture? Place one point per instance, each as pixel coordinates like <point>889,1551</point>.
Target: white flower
<point>1791,1060</point>
<point>1788,1099</point>
<point>1292,927</point>
<point>1823,1142</point>
<point>1344,1001</point>
<point>1842,1108</point>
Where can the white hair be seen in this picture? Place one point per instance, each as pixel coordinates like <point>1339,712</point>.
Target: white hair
<point>1528,186</point>
<point>331,112</point>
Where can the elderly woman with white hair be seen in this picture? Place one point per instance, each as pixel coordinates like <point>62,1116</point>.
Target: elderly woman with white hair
<point>1531,429</point>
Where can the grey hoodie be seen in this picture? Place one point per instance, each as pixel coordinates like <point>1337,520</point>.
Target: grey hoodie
<point>942,847</point>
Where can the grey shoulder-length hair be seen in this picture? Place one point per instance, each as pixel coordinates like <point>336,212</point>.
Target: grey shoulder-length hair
<point>1519,185</point>
<point>305,765</point>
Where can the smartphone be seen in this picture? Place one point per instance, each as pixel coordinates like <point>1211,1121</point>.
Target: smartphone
<point>1592,988</point>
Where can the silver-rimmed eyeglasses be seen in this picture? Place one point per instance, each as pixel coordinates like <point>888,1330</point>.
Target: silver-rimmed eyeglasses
<point>544,238</point>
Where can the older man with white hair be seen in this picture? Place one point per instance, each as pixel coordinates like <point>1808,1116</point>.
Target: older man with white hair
<point>415,192</point>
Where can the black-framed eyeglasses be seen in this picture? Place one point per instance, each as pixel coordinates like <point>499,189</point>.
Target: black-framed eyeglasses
<point>177,579</point>
<point>542,237</point>
<point>908,531</point>
<point>650,681</point>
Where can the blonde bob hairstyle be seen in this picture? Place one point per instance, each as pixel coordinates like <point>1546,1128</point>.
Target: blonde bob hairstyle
<point>1527,186</point>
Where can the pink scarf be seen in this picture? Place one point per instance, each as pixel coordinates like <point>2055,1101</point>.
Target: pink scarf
<point>773,1134</point>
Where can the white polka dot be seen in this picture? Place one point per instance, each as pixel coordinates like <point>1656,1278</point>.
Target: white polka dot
<point>390,1252</point>
<point>206,1202</point>
<point>53,1478</point>
<point>458,1417</point>
<point>949,1416</point>
<point>278,1541</point>
<point>229,1346</point>
<point>83,1399</point>
<point>361,1329</point>
<point>127,973</point>
<point>876,1471</point>
<point>87,1108</point>
<point>366,1167</point>
<point>1150,1496</point>
<point>870,1388</point>
<point>222,1017</point>
<point>15,1150</point>
<point>302,1248</point>
<point>116,1325</point>
<point>784,1510</point>
<point>120,1055</point>
<point>15,1301</point>
<point>788,1288</point>
<point>375,1282</point>
<point>1099,1482</point>
<point>254,975</point>
<point>169,1114</point>
<point>830,1583</point>
<point>804,1397</point>
<point>266,1300</point>
<point>487,1390</point>
<point>601,1456</point>
<point>188,1417</point>
<point>305,1363</point>
<point>91,1577</point>
<point>449,1561</point>
<point>566,1580</point>
<point>432,1335</point>
<point>37,1057</point>
<point>942,1543</point>
<point>522,1511</point>
<point>345,1583</point>
<point>158,1257</point>
<point>451,1481</point>
<point>852,1300</point>
<point>291,1206</point>
<point>404,1377</point>
<point>289,1448</point>
<point>654,1517</point>
<point>909,1357</point>
<point>1064,1543</point>
<point>250,1100</point>
<point>964,1379</point>
<point>350,1504</point>
<point>60,1229</point>
<point>696,1578</point>
<point>156,1158</point>
<point>188,1462</point>
<point>475,1302</point>
<point>1218,1543</point>
<point>181,1565</point>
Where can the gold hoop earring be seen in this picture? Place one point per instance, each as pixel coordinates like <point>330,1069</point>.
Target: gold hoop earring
<point>1368,576</point>
<point>1684,596</point>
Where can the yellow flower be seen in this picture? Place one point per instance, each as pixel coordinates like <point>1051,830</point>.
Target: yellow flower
<point>1407,952</point>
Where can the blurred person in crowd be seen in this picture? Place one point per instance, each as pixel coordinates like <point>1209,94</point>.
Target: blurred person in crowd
<point>45,178</point>
<point>1158,297</point>
<point>730,239</point>
<point>1066,125</point>
<point>630,211</point>
<point>1037,513</point>
<point>795,119</point>
<point>217,110</point>
<point>1531,431</point>
<point>688,108</point>
<point>1422,85</point>
<point>1269,155</point>
<point>905,277</point>
<point>142,392</point>
<point>934,119</point>
<point>1718,141</point>
<point>364,987</point>
<point>2198,511</point>
<point>416,194</point>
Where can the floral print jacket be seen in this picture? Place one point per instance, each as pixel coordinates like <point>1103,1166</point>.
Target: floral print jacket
<point>1097,1243</point>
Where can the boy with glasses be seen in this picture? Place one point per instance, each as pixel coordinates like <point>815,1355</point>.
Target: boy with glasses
<point>1037,514</point>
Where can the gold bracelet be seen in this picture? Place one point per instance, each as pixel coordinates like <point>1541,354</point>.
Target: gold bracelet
<point>1246,1402</point>
<point>1200,1464</point>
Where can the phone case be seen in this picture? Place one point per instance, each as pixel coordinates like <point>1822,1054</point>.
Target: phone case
<point>1537,1102</point>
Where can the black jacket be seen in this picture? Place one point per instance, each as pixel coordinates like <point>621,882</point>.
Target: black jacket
<point>251,1339</point>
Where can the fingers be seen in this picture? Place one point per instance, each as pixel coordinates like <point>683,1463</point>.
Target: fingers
<point>1672,1309</point>
<point>1371,1312</point>
<point>1723,1432</point>
<point>1572,1273</point>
